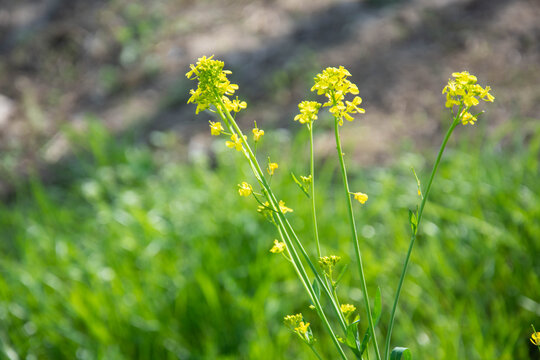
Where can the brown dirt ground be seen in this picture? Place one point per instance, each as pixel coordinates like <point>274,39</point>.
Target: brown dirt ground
<point>124,62</point>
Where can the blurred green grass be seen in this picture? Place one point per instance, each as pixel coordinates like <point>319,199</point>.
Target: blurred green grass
<point>141,256</point>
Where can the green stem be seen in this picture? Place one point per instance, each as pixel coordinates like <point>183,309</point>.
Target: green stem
<point>413,236</point>
<point>226,116</point>
<point>315,352</point>
<point>312,173</point>
<point>229,120</point>
<point>355,240</point>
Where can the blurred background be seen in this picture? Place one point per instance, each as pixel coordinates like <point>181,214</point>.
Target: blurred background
<point>123,236</point>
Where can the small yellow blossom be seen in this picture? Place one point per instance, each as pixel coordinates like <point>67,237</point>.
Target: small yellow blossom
<point>235,142</point>
<point>535,338</point>
<point>278,247</point>
<point>292,321</point>
<point>244,189</point>
<point>283,208</point>
<point>234,105</point>
<point>302,328</point>
<point>333,83</point>
<point>257,134</point>
<point>329,261</point>
<point>308,112</point>
<point>361,197</point>
<point>213,84</point>
<point>272,167</point>
<point>464,91</point>
<point>216,128</point>
<point>468,118</point>
<point>306,179</point>
<point>347,310</point>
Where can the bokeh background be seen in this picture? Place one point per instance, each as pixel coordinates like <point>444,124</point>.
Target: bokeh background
<point>123,236</point>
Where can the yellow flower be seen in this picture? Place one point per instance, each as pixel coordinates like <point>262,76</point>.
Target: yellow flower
<point>361,197</point>
<point>333,83</point>
<point>244,189</point>
<point>283,208</point>
<point>216,128</point>
<point>347,310</point>
<point>213,87</point>
<point>302,328</point>
<point>272,167</point>
<point>328,262</point>
<point>292,321</point>
<point>308,112</point>
<point>467,118</point>
<point>234,105</point>
<point>464,91</point>
<point>306,179</point>
<point>278,247</point>
<point>257,134</point>
<point>236,143</point>
<point>535,338</point>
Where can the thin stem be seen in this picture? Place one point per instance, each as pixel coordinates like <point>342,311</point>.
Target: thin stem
<point>315,352</point>
<point>312,173</point>
<point>229,120</point>
<point>413,236</point>
<point>226,116</point>
<point>355,240</point>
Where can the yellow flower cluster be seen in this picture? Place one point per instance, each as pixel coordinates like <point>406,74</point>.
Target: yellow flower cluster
<point>333,83</point>
<point>306,179</point>
<point>463,91</point>
<point>347,310</point>
<point>265,207</point>
<point>361,197</point>
<point>244,189</point>
<point>329,262</point>
<point>535,338</point>
<point>216,128</point>
<point>278,247</point>
<point>213,87</point>
<point>257,134</point>
<point>272,167</point>
<point>235,142</point>
<point>308,112</point>
<point>297,325</point>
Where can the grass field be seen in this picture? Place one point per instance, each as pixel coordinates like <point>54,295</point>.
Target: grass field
<point>136,255</point>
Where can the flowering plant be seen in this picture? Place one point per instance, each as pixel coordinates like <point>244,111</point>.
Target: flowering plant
<point>214,93</point>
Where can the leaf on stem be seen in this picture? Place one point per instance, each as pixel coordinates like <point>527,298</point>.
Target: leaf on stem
<point>300,185</point>
<point>400,353</point>
<point>376,314</point>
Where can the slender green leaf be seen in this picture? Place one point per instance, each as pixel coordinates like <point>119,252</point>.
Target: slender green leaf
<point>376,314</point>
<point>400,353</point>
<point>300,185</point>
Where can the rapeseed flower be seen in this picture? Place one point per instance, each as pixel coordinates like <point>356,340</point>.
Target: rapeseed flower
<point>535,338</point>
<point>308,112</point>
<point>272,167</point>
<point>283,208</point>
<point>329,262</point>
<point>361,197</point>
<point>213,88</point>
<point>235,142</point>
<point>347,310</point>
<point>216,128</point>
<point>278,247</point>
<point>301,328</point>
<point>333,83</point>
<point>244,189</point>
<point>464,91</point>
<point>257,134</point>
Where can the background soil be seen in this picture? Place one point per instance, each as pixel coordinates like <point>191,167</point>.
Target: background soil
<point>63,62</point>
